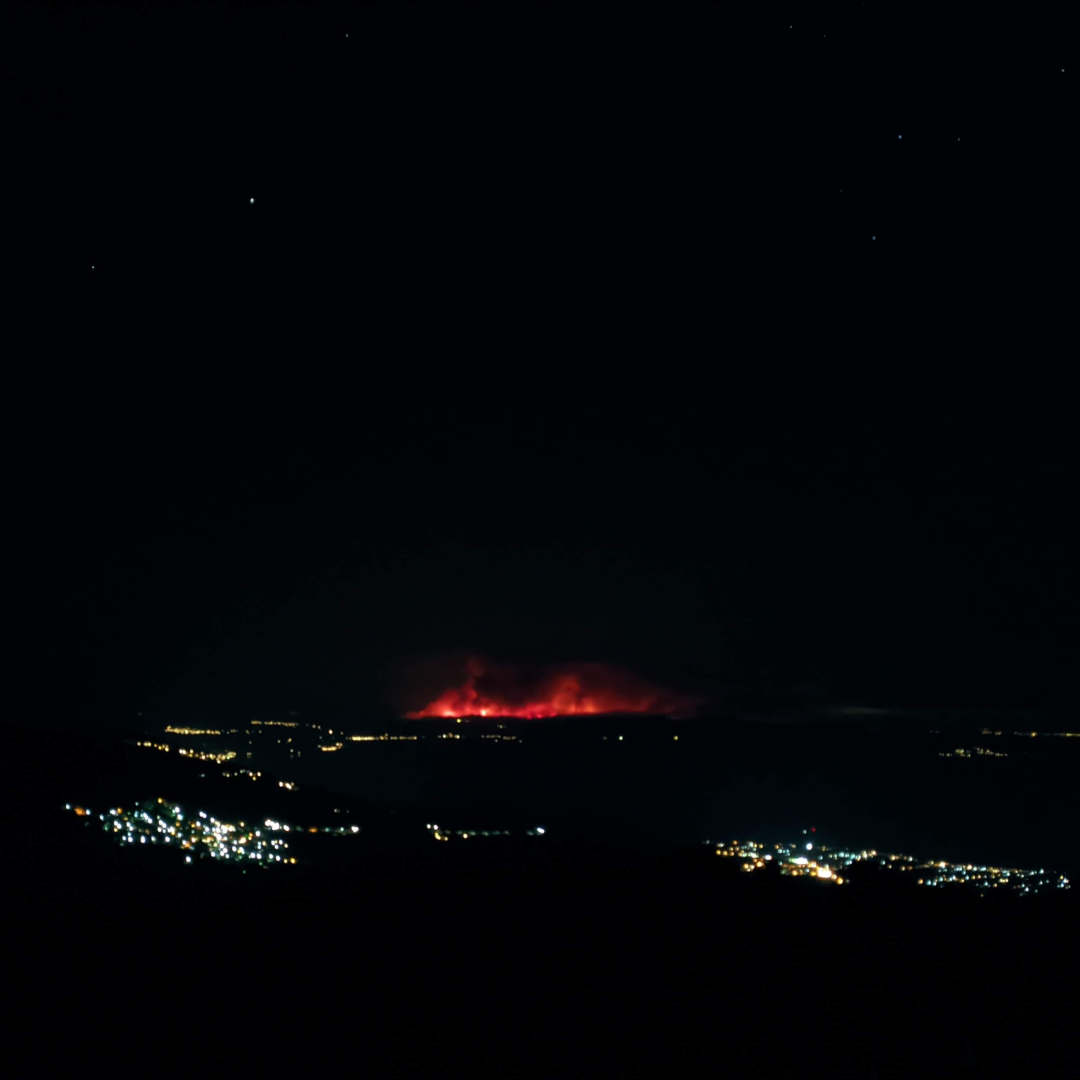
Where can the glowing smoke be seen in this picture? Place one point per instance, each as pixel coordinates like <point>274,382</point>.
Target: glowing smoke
<point>568,690</point>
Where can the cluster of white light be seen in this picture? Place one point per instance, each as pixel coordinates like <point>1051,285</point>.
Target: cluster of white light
<point>934,872</point>
<point>385,737</point>
<point>975,751</point>
<point>1036,734</point>
<point>200,835</point>
<point>170,729</point>
<point>472,834</point>
<point>334,830</point>
<point>754,856</point>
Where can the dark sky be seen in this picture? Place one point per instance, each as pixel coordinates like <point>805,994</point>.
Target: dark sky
<point>724,346</point>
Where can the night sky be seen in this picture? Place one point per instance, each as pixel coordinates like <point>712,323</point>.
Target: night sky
<point>730,348</point>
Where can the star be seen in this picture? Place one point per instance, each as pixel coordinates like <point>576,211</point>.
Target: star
<point>252,200</point>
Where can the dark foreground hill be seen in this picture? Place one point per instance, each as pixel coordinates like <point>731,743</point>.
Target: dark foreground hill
<point>537,970</point>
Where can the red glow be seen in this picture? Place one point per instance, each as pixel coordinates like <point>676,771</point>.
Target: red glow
<point>571,690</point>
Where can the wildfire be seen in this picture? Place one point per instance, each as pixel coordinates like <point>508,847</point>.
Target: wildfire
<point>577,690</point>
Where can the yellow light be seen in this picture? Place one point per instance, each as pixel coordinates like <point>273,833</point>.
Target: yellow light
<point>824,872</point>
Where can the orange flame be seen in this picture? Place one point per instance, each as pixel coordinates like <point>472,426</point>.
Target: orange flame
<point>573,690</point>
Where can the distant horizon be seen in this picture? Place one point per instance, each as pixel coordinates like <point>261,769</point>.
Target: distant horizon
<point>747,712</point>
